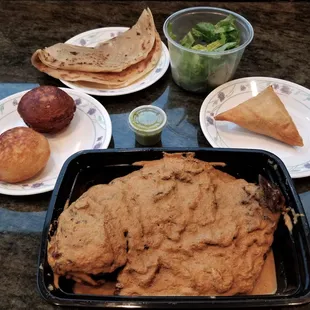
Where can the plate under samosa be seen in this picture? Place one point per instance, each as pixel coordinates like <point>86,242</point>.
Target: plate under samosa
<point>265,114</point>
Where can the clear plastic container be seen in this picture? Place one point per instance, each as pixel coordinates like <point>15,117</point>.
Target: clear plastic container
<point>200,71</point>
<point>147,122</point>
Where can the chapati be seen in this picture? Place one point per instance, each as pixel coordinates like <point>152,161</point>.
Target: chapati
<point>114,55</point>
<point>105,79</point>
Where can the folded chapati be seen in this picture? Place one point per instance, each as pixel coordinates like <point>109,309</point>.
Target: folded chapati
<point>114,55</point>
<point>106,80</point>
<point>115,63</point>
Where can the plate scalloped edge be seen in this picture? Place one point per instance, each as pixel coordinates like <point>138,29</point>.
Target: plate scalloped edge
<point>215,99</point>
<point>91,38</point>
<point>90,107</point>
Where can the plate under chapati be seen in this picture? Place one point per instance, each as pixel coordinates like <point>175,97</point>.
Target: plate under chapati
<point>92,38</point>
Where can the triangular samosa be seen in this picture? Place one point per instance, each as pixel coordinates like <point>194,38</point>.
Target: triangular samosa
<point>265,114</point>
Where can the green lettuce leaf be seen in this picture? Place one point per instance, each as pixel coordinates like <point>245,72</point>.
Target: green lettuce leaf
<point>199,47</point>
<point>228,21</point>
<point>193,70</point>
<point>226,46</point>
<point>188,40</point>
<point>197,34</point>
<point>207,31</point>
<point>224,29</point>
<point>170,32</point>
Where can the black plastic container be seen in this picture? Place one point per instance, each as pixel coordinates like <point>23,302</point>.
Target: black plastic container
<point>291,251</point>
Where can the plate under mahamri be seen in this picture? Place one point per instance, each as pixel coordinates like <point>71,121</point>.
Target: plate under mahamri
<point>229,135</point>
<point>93,37</point>
<point>90,128</point>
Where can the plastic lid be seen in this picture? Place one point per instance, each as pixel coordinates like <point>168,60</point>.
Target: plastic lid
<point>147,118</point>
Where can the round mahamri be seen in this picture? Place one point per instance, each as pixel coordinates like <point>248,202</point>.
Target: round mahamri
<point>23,153</point>
<point>47,109</point>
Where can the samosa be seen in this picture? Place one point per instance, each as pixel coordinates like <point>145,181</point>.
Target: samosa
<point>265,114</point>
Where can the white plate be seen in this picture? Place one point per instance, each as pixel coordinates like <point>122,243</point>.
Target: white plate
<point>90,128</point>
<point>225,134</point>
<point>92,38</point>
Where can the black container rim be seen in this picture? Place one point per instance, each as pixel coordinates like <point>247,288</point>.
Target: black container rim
<point>155,301</point>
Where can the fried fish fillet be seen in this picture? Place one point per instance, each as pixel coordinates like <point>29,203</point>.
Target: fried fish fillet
<point>178,226</point>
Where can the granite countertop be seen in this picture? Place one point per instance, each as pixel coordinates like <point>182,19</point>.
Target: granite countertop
<point>280,49</point>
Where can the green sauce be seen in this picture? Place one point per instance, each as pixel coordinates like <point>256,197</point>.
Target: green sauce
<point>148,139</point>
<point>147,122</point>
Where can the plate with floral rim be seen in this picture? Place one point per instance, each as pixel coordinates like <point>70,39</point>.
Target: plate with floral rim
<point>296,99</point>
<point>93,37</point>
<point>90,128</point>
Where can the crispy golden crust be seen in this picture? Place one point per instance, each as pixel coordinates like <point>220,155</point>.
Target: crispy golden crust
<point>23,153</point>
<point>265,114</point>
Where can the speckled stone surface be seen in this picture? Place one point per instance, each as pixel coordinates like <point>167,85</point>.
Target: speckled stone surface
<point>280,49</point>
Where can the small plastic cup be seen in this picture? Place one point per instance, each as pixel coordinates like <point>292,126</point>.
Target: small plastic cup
<point>201,71</point>
<point>147,122</point>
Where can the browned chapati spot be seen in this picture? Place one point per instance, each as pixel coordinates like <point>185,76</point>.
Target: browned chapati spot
<point>72,57</point>
<point>109,79</point>
<point>115,63</point>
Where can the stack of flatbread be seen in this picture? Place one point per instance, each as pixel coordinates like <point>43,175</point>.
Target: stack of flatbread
<point>265,114</point>
<point>115,63</point>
